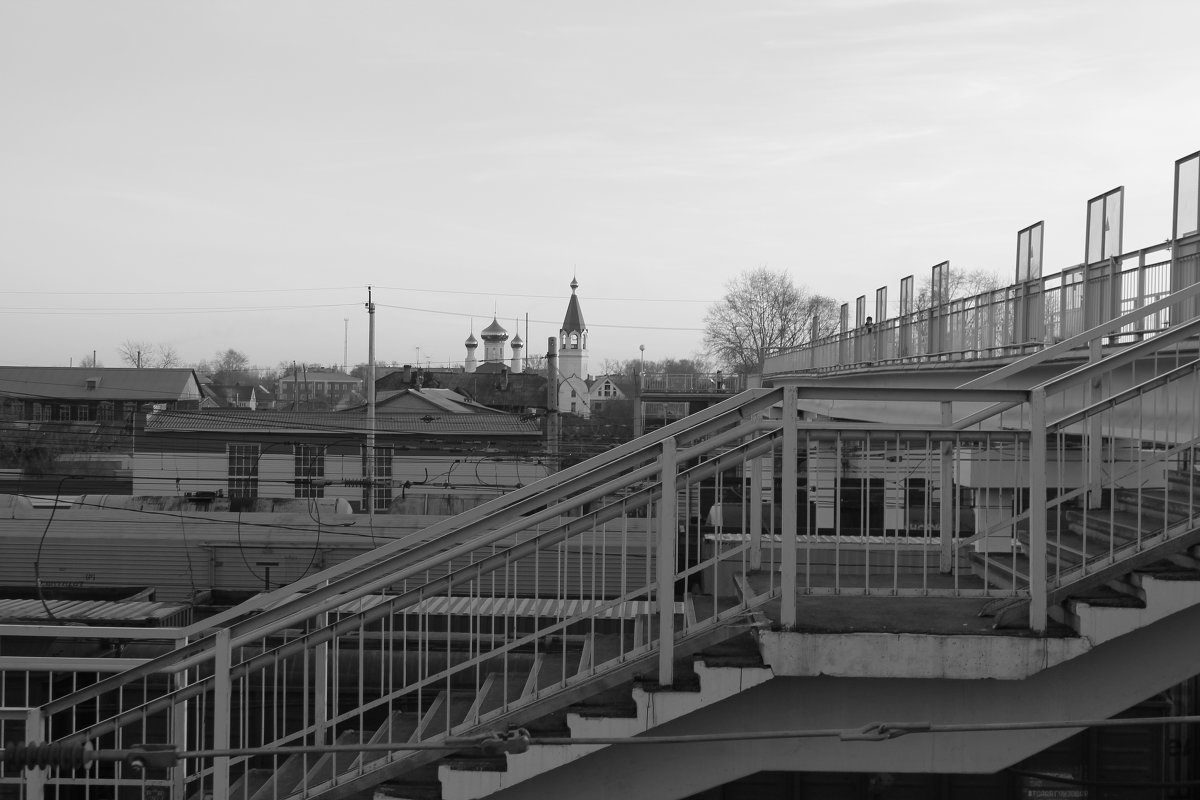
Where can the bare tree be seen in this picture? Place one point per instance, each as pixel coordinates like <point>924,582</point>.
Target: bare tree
<point>90,361</point>
<point>960,284</point>
<point>142,354</point>
<point>228,367</point>
<point>764,310</point>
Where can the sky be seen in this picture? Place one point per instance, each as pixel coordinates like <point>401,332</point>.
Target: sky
<point>214,175</point>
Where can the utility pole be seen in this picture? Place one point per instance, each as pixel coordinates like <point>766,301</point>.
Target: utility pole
<point>552,420</point>
<point>346,347</point>
<point>369,468</point>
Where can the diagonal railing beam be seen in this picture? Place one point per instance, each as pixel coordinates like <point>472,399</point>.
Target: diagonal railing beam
<point>1175,333</point>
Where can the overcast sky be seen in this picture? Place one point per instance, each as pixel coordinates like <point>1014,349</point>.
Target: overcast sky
<point>213,175</point>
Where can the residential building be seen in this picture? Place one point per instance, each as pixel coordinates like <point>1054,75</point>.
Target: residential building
<point>319,390</point>
<point>440,447</point>
<point>93,394</point>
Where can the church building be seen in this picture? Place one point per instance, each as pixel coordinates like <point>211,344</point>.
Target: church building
<point>572,355</point>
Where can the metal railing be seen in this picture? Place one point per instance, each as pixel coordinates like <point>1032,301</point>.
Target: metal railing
<point>707,383</point>
<point>619,565</point>
<point>1009,322</point>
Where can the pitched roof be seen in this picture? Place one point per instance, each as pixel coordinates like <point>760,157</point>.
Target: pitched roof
<point>338,423</point>
<point>110,383</point>
<point>621,381</point>
<point>573,321</point>
<point>424,400</point>
<point>318,375</point>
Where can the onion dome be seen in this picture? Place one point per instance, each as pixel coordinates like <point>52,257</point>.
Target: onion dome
<point>495,331</point>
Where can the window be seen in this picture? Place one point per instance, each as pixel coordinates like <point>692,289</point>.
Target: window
<point>37,412</point>
<point>310,470</point>
<point>105,411</point>
<point>608,389</point>
<point>382,475</point>
<point>81,412</point>
<point>64,413</point>
<point>243,471</point>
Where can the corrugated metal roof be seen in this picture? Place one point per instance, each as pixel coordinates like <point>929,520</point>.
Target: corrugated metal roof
<point>496,424</point>
<point>71,383</point>
<point>91,612</point>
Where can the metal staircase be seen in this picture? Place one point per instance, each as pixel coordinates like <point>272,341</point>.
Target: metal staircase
<point>603,582</point>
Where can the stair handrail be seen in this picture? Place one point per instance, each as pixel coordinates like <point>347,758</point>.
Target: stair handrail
<point>1103,329</point>
<point>397,602</point>
<point>364,574</point>
<point>747,403</point>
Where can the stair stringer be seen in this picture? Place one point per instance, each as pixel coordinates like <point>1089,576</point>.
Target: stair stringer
<point>1162,597</point>
<point>653,708</point>
<point>1099,683</point>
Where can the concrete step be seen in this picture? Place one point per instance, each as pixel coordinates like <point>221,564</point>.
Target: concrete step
<point>652,708</point>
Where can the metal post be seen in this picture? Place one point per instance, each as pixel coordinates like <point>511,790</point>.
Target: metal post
<point>320,687</point>
<point>552,418</point>
<point>222,711</point>
<point>1095,438</point>
<point>369,465</point>
<point>35,779</point>
<point>665,564</point>
<point>946,508</point>
<point>788,516</point>
<point>1037,510</point>
<point>179,726</point>
<point>756,528</point>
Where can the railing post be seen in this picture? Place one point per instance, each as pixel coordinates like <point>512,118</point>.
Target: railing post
<point>756,531</point>
<point>1095,439</point>
<point>35,779</point>
<point>665,564</point>
<point>320,688</point>
<point>222,711</point>
<point>179,727</point>
<point>946,509</point>
<point>1037,510</point>
<point>788,516</point>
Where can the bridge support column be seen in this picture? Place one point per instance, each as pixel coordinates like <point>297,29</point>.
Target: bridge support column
<point>35,779</point>
<point>222,711</point>
<point>946,511</point>
<point>1037,510</point>
<point>179,727</point>
<point>666,563</point>
<point>788,527</point>
<point>1095,439</point>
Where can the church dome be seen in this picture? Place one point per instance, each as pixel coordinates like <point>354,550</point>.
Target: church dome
<point>494,331</point>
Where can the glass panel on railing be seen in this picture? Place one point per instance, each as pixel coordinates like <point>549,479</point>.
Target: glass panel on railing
<point>1104,226</point>
<point>1187,195</point>
<point>1112,224</point>
<point>1029,252</point>
<point>1095,237</point>
<point>1035,250</point>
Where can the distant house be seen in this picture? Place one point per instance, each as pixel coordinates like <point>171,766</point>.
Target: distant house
<point>306,389</point>
<point>236,396</point>
<point>607,389</point>
<point>436,449</point>
<point>93,394</point>
<point>493,385</point>
<point>413,401</point>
